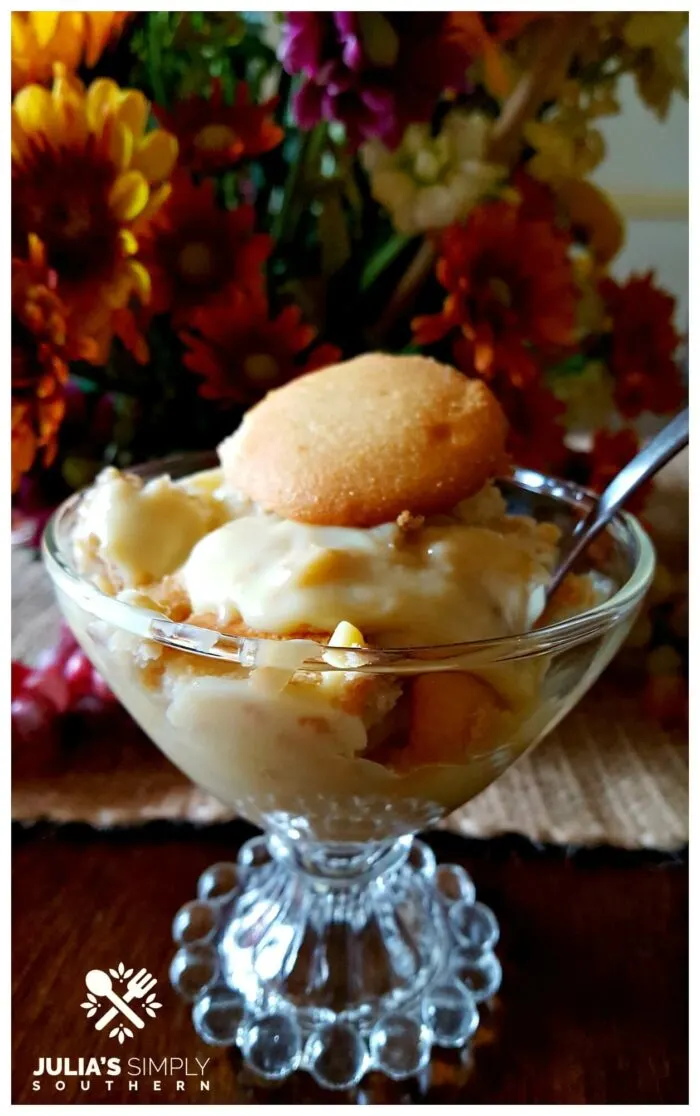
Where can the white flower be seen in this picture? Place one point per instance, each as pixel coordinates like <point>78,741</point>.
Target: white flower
<point>429,181</point>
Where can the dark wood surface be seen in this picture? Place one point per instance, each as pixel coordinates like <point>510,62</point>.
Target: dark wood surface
<point>593,1007</point>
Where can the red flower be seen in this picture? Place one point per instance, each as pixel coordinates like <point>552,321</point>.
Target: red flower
<point>611,452</point>
<point>241,352</point>
<point>505,26</point>
<point>536,434</point>
<point>38,361</point>
<point>194,249</point>
<point>536,199</point>
<point>643,342</point>
<point>511,297</point>
<point>213,135</point>
<point>435,51</point>
<point>665,698</point>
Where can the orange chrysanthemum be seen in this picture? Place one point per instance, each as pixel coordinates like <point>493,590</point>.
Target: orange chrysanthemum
<point>485,34</point>
<point>643,344</point>
<point>511,294</point>
<point>241,352</point>
<point>213,135</point>
<point>39,39</point>
<point>195,249</point>
<point>39,364</point>
<point>85,174</point>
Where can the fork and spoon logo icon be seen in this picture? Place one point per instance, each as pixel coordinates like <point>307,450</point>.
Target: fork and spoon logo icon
<point>139,986</point>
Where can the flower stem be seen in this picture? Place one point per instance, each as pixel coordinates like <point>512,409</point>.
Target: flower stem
<point>385,254</point>
<point>548,70</point>
<point>286,220</point>
<point>405,294</point>
<point>284,87</point>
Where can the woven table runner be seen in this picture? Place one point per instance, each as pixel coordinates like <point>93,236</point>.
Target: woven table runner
<point>605,776</point>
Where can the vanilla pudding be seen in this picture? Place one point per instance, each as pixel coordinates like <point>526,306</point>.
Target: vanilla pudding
<point>338,750</point>
<point>329,746</point>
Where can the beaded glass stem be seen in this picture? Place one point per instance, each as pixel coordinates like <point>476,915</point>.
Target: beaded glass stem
<point>337,960</point>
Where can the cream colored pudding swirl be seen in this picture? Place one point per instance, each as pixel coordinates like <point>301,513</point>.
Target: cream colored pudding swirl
<point>450,582</point>
<point>475,574</point>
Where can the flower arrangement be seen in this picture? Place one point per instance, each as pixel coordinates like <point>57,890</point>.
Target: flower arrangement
<point>206,205</point>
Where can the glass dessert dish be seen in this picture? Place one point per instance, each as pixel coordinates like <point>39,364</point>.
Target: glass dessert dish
<point>335,943</point>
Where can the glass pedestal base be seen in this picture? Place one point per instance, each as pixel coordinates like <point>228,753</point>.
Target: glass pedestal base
<point>335,960</point>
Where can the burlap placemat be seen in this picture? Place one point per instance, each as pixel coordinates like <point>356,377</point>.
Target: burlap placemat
<point>604,776</point>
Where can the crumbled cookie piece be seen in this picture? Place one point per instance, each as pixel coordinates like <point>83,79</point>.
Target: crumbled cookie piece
<point>407,528</point>
<point>410,524</point>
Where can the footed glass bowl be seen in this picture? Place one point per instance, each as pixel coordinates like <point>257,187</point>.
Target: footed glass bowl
<point>335,943</point>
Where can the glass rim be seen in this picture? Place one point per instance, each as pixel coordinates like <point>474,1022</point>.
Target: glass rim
<point>258,651</point>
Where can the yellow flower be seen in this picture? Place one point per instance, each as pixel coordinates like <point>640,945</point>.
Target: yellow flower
<point>86,177</point>
<point>591,217</point>
<point>564,149</point>
<point>566,146</point>
<point>41,38</point>
<point>590,311</point>
<point>646,44</point>
<point>658,63</point>
<point>590,102</point>
<point>429,182</point>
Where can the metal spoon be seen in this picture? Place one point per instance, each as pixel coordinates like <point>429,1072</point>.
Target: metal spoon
<point>655,454</point>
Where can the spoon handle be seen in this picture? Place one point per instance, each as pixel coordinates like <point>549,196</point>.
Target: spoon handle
<point>652,457</point>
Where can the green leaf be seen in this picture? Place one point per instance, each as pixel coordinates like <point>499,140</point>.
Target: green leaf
<point>381,259</point>
<point>304,160</point>
<point>572,366</point>
<point>154,58</point>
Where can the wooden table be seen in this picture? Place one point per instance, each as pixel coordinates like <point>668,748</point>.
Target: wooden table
<point>593,1007</point>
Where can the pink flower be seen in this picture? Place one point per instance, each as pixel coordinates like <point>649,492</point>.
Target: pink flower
<point>374,72</point>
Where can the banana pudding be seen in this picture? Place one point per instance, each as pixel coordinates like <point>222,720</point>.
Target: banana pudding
<point>355,512</point>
